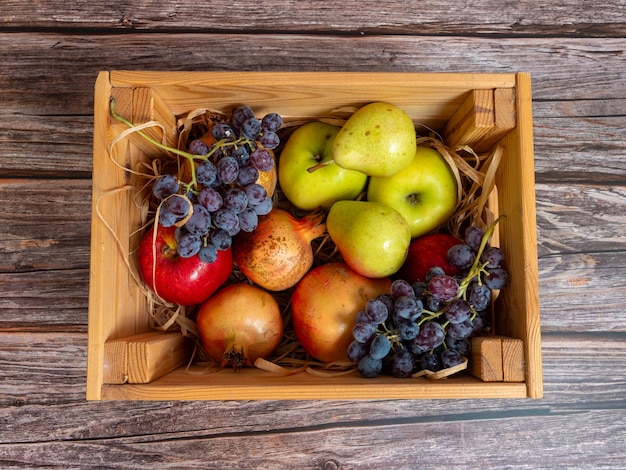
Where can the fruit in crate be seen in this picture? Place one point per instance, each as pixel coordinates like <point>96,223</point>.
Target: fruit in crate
<point>372,238</point>
<point>224,184</point>
<point>308,146</point>
<point>378,139</point>
<point>427,325</point>
<point>428,251</point>
<point>324,305</point>
<point>424,192</point>
<point>182,280</point>
<point>278,253</point>
<point>269,179</point>
<point>239,324</point>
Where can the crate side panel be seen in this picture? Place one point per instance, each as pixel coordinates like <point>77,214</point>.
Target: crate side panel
<point>518,304</point>
<point>252,384</point>
<point>437,80</point>
<point>430,98</point>
<point>116,302</point>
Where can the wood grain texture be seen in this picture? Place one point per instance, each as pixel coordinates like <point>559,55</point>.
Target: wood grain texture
<point>51,54</point>
<point>350,445</point>
<point>43,224</point>
<point>593,67</point>
<point>568,17</point>
<point>582,130</point>
<point>45,146</point>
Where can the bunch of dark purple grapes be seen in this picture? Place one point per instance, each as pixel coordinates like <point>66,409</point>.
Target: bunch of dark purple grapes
<point>428,325</point>
<point>223,196</point>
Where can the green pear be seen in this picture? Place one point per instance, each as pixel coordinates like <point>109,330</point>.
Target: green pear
<point>378,140</point>
<point>372,238</point>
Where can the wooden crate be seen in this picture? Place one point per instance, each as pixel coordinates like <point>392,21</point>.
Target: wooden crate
<point>479,109</point>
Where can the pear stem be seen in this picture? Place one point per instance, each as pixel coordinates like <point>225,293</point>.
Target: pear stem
<point>320,165</point>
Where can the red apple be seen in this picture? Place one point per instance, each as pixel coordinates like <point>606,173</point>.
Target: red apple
<point>426,252</point>
<point>178,280</point>
<point>324,306</point>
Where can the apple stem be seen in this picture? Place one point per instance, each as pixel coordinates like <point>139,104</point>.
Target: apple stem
<point>191,157</point>
<point>320,165</point>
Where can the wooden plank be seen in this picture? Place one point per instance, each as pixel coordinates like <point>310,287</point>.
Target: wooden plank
<point>513,366</point>
<point>252,385</point>
<point>152,357</point>
<point>482,120</point>
<point>64,142</point>
<point>45,367</point>
<point>400,442</point>
<point>504,118</point>
<point>568,152</point>
<point>115,363</point>
<point>518,312</point>
<point>573,67</point>
<point>567,17</point>
<point>44,224</point>
<point>582,218</point>
<point>44,297</point>
<point>111,262</point>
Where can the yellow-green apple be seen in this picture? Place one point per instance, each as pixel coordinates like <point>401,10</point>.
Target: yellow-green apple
<point>425,192</point>
<point>178,280</point>
<point>323,323</point>
<point>308,146</point>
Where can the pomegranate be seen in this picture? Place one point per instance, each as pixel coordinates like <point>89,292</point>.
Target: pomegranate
<point>324,305</point>
<point>239,324</point>
<point>278,253</point>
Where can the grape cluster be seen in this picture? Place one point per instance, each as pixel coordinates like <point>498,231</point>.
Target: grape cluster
<point>428,325</point>
<point>223,196</point>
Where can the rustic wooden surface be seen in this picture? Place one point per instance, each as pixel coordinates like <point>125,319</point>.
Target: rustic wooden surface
<point>50,55</point>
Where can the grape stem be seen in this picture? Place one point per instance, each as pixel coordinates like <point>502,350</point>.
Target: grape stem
<point>392,335</point>
<point>477,268</point>
<point>147,137</point>
<point>191,157</point>
<point>431,315</point>
<point>474,272</point>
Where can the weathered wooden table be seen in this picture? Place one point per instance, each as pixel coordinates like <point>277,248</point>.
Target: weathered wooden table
<point>50,56</point>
